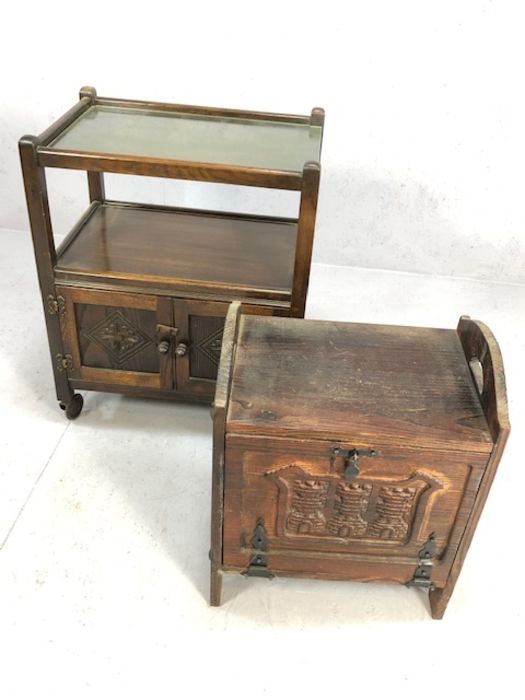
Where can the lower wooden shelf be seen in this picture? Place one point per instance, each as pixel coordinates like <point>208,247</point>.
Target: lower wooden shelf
<point>181,250</point>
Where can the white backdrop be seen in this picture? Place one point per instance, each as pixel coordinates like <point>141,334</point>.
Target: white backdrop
<point>424,146</point>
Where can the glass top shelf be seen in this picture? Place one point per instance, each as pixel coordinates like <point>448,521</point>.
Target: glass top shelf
<point>179,136</point>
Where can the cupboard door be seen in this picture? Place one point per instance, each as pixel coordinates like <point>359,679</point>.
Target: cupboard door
<point>112,338</point>
<point>200,326</point>
<point>372,523</point>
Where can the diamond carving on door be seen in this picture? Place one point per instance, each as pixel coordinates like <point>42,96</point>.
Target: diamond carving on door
<point>118,337</point>
<point>211,346</point>
<point>206,340</point>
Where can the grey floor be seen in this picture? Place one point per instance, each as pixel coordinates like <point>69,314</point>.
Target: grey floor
<point>104,525</point>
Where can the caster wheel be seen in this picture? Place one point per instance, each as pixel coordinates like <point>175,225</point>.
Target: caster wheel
<point>74,407</point>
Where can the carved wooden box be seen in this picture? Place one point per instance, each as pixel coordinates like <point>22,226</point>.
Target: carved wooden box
<point>352,451</point>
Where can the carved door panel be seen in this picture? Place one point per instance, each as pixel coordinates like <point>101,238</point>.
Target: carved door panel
<point>379,517</point>
<point>112,337</point>
<point>200,325</point>
<point>198,347</point>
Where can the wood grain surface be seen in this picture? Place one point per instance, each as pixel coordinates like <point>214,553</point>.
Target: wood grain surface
<point>155,256</point>
<point>426,410</point>
<point>404,496</point>
<point>152,244</point>
<point>331,380</point>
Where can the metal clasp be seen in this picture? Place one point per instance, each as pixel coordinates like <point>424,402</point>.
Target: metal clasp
<point>351,457</point>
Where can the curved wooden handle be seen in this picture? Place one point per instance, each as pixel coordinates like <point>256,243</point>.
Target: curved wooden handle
<point>480,344</point>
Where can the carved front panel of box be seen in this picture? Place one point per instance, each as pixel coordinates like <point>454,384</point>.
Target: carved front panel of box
<point>319,521</point>
<point>205,345</point>
<point>117,338</point>
<point>369,510</point>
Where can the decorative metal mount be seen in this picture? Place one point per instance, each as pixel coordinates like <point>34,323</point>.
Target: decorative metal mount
<point>422,577</point>
<point>56,305</point>
<point>351,458</point>
<point>64,362</point>
<point>259,563</point>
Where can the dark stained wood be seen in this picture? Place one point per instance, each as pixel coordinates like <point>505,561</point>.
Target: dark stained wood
<point>97,192</point>
<point>330,569</point>
<point>122,378</point>
<point>200,328</point>
<point>169,289</point>
<point>197,322</point>
<point>95,180</point>
<point>38,207</point>
<point>219,417</point>
<point>479,343</point>
<point>262,473</point>
<point>323,379</point>
<point>205,335</point>
<point>159,167</point>
<point>112,337</point>
<point>96,319</point>
<point>317,119</point>
<point>89,296</point>
<point>305,237</point>
<point>166,332</point>
<point>107,335</point>
<point>45,254</point>
<point>144,392</point>
<point>406,399</point>
<point>233,252</point>
<point>162,254</point>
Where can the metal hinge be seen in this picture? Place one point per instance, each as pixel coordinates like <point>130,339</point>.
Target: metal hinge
<point>64,362</point>
<point>259,563</point>
<point>422,577</point>
<point>56,305</point>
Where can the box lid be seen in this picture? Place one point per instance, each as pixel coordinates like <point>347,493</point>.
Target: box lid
<point>351,381</point>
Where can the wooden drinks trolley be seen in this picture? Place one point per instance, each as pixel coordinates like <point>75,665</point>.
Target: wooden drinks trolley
<point>353,451</point>
<point>136,295</point>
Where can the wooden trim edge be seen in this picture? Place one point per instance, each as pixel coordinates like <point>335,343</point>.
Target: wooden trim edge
<point>219,412</point>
